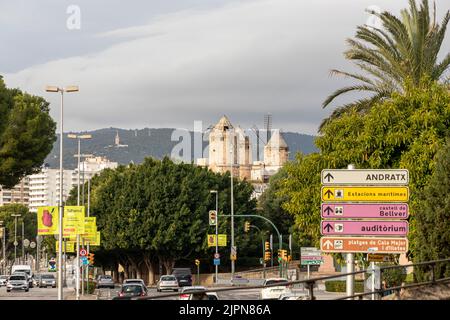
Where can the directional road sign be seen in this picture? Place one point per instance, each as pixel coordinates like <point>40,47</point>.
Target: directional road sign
<point>365,177</point>
<point>360,210</point>
<point>310,256</point>
<point>379,257</point>
<point>217,262</point>
<point>364,245</point>
<point>365,227</point>
<point>364,193</point>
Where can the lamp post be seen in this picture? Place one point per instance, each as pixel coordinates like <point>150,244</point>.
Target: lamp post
<point>15,235</point>
<point>79,138</point>
<point>61,205</point>
<point>3,234</point>
<point>232,205</point>
<point>217,229</point>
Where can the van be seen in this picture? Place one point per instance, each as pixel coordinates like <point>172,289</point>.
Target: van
<point>184,276</point>
<point>24,268</point>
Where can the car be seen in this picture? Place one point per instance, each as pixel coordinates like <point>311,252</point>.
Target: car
<point>136,281</point>
<point>183,275</point>
<point>3,280</point>
<point>18,281</point>
<point>47,280</point>
<point>274,293</point>
<point>105,281</point>
<point>196,293</point>
<point>293,296</point>
<point>37,279</point>
<point>132,290</point>
<point>167,282</point>
<point>24,268</point>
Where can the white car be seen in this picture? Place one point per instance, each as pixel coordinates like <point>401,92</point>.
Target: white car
<point>274,293</point>
<point>167,282</point>
<point>3,280</point>
<point>293,296</point>
<point>189,293</point>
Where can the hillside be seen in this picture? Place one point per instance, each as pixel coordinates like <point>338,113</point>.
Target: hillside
<point>146,142</point>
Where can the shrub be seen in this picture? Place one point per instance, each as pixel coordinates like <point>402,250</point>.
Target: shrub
<point>340,286</point>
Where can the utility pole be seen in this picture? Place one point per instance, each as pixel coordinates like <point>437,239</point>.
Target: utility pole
<point>217,231</point>
<point>15,236</point>
<point>23,238</point>
<point>350,262</point>
<point>232,204</point>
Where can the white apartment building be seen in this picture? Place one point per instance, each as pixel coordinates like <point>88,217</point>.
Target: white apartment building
<point>90,167</point>
<point>18,194</point>
<point>44,187</point>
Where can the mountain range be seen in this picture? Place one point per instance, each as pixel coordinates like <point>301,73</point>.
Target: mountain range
<point>136,144</point>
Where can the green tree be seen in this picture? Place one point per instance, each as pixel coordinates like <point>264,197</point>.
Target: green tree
<point>433,217</point>
<point>27,134</point>
<point>405,131</point>
<point>30,228</point>
<point>270,204</point>
<point>158,212</point>
<point>405,48</point>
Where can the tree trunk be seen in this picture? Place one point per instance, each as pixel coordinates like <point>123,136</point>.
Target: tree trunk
<point>168,263</point>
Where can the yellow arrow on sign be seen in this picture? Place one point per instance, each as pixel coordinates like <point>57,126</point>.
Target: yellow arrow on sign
<point>363,193</point>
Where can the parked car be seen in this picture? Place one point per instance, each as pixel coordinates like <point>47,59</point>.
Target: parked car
<point>132,290</point>
<point>105,281</point>
<point>18,281</point>
<point>196,293</point>
<point>167,282</point>
<point>274,292</point>
<point>3,280</point>
<point>183,275</point>
<point>47,280</point>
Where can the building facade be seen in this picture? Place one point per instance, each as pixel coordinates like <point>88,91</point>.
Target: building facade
<point>230,149</point>
<point>19,194</point>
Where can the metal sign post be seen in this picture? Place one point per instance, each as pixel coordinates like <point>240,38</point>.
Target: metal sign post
<point>350,286</point>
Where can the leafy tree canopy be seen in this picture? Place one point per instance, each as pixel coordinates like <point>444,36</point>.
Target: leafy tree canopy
<point>27,134</point>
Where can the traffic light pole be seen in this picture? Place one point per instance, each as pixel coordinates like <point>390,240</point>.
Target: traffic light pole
<point>280,245</point>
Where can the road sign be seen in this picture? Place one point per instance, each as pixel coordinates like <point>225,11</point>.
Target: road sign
<point>364,245</point>
<point>216,256</point>
<point>365,227</point>
<point>83,252</point>
<point>363,210</point>
<point>310,256</point>
<point>16,243</point>
<point>364,193</point>
<point>233,254</point>
<point>32,245</point>
<point>365,177</point>
<point>26,243</point>
<point>84,261</point>
<point>217,262</point>
<point>379,257</point>
<point>212,240</point>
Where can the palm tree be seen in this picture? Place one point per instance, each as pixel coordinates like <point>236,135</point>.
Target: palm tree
<point>405,48</point>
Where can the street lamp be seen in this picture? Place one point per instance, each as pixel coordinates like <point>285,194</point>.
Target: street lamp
<point>15,235</point>
<point>79,137</point>
<point>3,235</point>
<point>61,206</point>
<point>217,230</point>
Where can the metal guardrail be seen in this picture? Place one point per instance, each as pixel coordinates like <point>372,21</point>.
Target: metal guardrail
<point>309,284</point>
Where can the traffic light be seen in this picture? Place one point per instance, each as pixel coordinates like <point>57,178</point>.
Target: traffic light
<point>91,258</point>
<point>284,255</point>
<point>289,258</point>
<point>267,256</point>
<point>280,255</point>
<point>267,246</point>
<point>197,262</point>
<point>247,226</point>
<point>212,217</point>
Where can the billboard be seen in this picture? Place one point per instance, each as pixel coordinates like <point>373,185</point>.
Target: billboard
<point>47,218</point>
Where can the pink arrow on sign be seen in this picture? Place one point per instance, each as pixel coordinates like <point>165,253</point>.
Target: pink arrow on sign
<point>360,210</point>
<point>365,227</point>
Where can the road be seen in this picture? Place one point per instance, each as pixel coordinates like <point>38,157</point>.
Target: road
<point>243,294</point>
<point>33,294</point>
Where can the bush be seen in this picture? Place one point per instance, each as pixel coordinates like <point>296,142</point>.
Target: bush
<point>89,287</point>
<point>394,277</point>
<point>340,286</point>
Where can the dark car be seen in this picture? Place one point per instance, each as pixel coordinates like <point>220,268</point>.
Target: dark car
<point>184,276</point>
<point>132,290</point>
<point>47,280</point>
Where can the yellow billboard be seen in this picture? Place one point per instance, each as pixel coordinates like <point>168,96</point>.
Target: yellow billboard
<point>212,240</point>
<point>47,218</point>
<point>73,221</point>
<point>365,194</point>
<point>68,246</point>
<point>90,226</point>
<point>92,240</point>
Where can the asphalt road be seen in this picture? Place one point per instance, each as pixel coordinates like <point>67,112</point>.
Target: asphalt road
<point>33,294</point>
